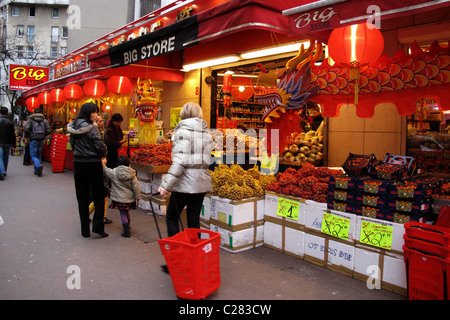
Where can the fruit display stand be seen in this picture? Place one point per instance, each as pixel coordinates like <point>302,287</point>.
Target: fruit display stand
<point>150,178</point>
<point>239,222</point>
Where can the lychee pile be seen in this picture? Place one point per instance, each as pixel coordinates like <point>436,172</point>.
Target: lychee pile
<point>308,182</point>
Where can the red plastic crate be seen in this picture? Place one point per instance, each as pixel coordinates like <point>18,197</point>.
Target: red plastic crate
<point>426,246</point>
<point>426,275</point>
<point>426,232</point>
<point>193,263</point>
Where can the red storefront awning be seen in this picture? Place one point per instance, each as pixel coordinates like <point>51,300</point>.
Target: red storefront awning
<point>318,18</point>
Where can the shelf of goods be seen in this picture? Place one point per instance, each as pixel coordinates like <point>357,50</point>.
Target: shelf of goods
<point>247,114</point>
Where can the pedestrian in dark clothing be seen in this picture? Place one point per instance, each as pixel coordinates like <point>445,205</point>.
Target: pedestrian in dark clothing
<point>88,150</point>
<point>114,139</point>
<point>7,140</point>
<point>36,129</point>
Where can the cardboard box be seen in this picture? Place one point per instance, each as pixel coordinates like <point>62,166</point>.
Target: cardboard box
<point>236,215</point>
<point>397,232</point>
<point>330,252</point>
<point>271,207</point>
<point>382,267</point>
<point>314,216</point>
<point>237,241</point>
<point>284,236</point>
<point>158,204</point>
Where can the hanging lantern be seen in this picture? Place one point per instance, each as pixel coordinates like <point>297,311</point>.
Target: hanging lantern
<point>242,88</point>
<point>73,91</point>
<point>44,98</point>
<point>32,103</point>
<point>227,82</point>
<point>118,84</point>
<point>57,95</point>
<point>107,107</point>
<point>94,88</point>
<point>354,46</point>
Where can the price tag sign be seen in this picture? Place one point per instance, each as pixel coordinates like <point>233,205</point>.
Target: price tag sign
<point>376,234</point>
<point>335,226</point>
<point>288,208</point>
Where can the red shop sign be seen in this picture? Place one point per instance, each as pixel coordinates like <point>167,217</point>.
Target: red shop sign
<point>26,77</point>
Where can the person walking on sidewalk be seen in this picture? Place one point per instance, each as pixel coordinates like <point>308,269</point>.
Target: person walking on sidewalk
<point>7,140</point>
<point>125,192</point>
<point>36,129</point>
<point>88,150</point>
<point>188,178</point>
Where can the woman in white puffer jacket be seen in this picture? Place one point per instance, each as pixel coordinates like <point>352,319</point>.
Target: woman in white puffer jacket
<point>188,178</point>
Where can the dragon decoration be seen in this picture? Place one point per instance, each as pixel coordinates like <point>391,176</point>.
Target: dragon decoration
<point>144,102</point>
<point>401,80</point>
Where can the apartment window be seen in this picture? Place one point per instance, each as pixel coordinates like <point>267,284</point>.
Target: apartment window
<point>15,11</point>
<point>54,52</point>
<point>32,11</point>
<point>55,34</point>
<point>20,31</point>
<point>55,13</point>
<point>30,52</point>
<point>19,51</point>
<point>30,34</point>
<point>65,32</point>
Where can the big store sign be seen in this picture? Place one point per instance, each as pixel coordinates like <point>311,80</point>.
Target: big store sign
<point>26,77</point>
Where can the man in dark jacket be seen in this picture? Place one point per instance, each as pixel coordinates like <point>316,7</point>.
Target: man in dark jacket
<point>36,129</point>
<point>7,140</point>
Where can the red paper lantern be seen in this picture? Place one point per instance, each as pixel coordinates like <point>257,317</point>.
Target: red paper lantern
<point>107,107</point>
<point>73,91</point>
<point>94,88</point>
<point>119,84</point>
<point>32,103</point>
<point>44,98</point>
<point>57,95</point>
<point>242,88</point>
<point>356,44</point>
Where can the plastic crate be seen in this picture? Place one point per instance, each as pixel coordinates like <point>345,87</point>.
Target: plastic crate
<point>426,246</point>
<point>193,263</point>
<point>426,275</point>
<point>426,232</point>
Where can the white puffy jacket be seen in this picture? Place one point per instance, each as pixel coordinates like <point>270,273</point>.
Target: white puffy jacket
<point>124,184</point>
<point>191,157</point>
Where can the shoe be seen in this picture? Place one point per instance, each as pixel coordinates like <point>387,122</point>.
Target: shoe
<point>39,171</point>
<point>102,234</point>
<point>107,221</point>
<point>165,269</point>
<point>126,230</point>
<point>2,176</point>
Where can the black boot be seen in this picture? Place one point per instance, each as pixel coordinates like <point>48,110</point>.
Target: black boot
<point>126,230</point>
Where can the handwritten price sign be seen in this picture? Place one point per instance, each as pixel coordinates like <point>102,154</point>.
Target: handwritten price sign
<point>377,235</point>
<point>288,208</point>
<point>335,226</point>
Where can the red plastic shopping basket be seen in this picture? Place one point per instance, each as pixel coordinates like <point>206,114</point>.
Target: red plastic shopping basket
<point>193,262</point>
<point>427,275</point>
<point>426,232</point>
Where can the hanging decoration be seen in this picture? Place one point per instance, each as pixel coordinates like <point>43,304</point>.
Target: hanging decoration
<point>73,91</point>
<point>401,80</point>
<point>227,78</point>
<point>144,102</point>
<point>354,47</point>
<point>57,95</point>
<point>290,94</point>
<point>119,84</point>
<point>241,88</point>
<point>107,106</point>
<point>94,88</point>
<point>44,98</point>
<point>32,103</point>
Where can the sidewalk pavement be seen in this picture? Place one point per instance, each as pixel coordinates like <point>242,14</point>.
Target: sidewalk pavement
<point>41,246</point>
